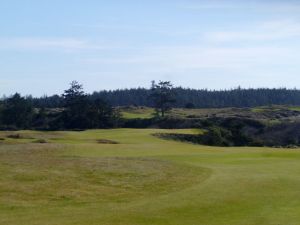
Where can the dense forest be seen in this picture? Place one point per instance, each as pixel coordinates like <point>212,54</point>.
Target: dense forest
<point>188,98</point>
<point>76,111</point>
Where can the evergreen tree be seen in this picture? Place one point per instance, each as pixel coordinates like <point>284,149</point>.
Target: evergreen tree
<point>76,107</point>
<point>162,96</point>
<point>81,112</point>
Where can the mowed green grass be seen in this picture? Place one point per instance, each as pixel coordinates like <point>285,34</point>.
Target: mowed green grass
<point>72,180</point>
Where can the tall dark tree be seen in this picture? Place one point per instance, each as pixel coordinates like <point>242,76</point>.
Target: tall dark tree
<point>76,106</point>
<point>81,112</point>
<point>17,111</point>
<point>163,96</point>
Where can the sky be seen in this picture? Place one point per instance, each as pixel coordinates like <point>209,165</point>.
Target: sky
<point>114,44</point>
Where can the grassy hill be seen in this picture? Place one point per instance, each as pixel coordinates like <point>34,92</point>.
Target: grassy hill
<point>129,177</point>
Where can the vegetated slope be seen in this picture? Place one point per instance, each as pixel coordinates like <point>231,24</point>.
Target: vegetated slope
<point>275,126</point>
<point>242,132</point>
<point>267,113</point>
<point>73,179</point>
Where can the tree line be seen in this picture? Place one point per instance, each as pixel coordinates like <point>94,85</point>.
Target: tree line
<point>75,109</point>
<point>188,98</point>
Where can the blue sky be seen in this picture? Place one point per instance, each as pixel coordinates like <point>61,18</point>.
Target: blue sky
<point>127,43</point>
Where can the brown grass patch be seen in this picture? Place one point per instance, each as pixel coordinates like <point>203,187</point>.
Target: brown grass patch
<point>14,136</point>
<point>40,141</point>
<point>106,141</point>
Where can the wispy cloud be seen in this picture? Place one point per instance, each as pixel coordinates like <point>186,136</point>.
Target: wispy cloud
<point>160,29</point>
<point>273,30</point>
<point>270,6</point>
<point>204,5</point>
<point>195,57</point>
<point>29,43</point>
<point>42,43</point>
